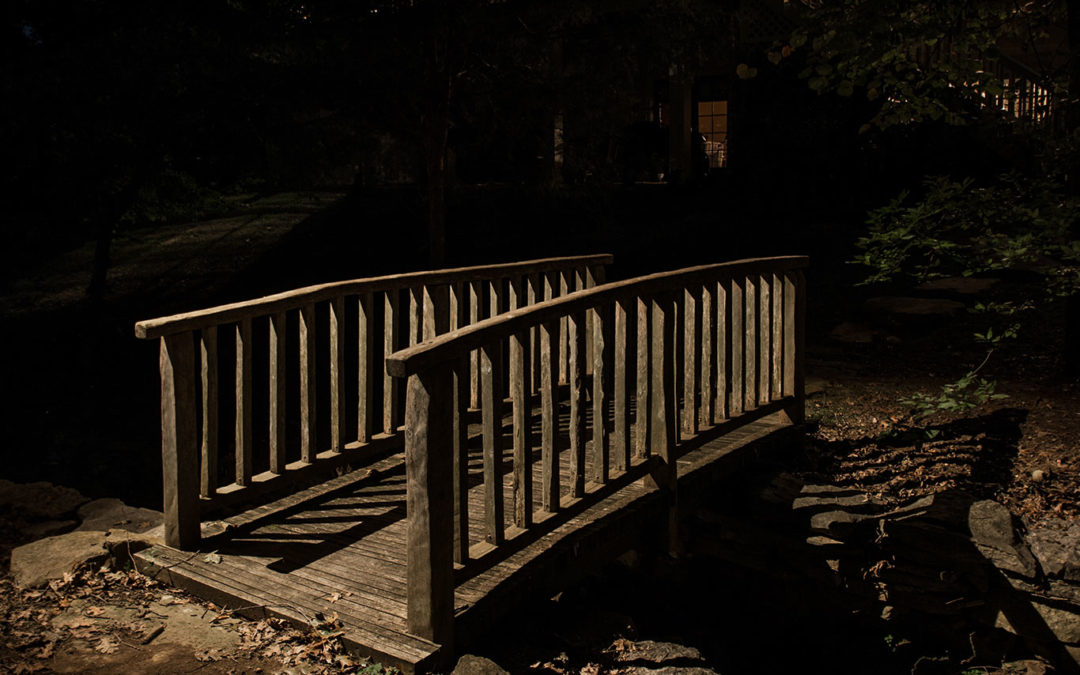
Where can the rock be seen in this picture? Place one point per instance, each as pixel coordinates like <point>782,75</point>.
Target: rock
<point>113,514</point>
<point>477,665</point>
<point>913,306</point>
<point>1064,624</point>
<point>38,562</point>
<point>1057,548</point>
<point>855,333</point>
<point>994,535</point>
<point>815,385</point>
<point>41,561</point>
<point>963,285</point>
<point>48,528</point>
<point>655,653</point>
<point>40,501</point>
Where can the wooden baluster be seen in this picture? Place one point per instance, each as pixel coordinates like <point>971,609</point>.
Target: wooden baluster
<point>491,404</point>
<point>750,343</point>
<point>244,402</point>
<point>565,284</point>
<point>735,342</point>
<point>179,444</point>
<point>209,367</point>
<point>601,349</point>
<point>777,336</point>
<point>644,380</point>
<point>708,363</point>
<point>690,385</point>
<point>278,364</point>
<point>620,437</point>
<point>517,287</point>
<point>549,435</point>
<point>723,342</point>
<point>431,319</point>
<point>460,426</point>
<point>429,512</point>
<point>679,358</point>
<point>307,384</point>
<point>391,303</point>
<point>664,402</point>
<point>764,338</point>
<point>795,344</point>
<point>576,375</point>
<point>337,374</point>
<point>535,294</point>
<point>458,316</point>
<point>519,381</point>
<point>589,277</point>
<point>416,306</point>
<point>476,293</point>
<point>366,372</point>
<point>497,304</point>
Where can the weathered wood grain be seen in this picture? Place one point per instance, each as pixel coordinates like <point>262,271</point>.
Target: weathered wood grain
<point>476,296</point>
<point>644,379</point>
<point>777,336</point>
<point>601,393</point>
<point>428,420</point>
<point>549,433</point>
<point>576,374</point>
<point>245,402</point>
<point>308,442</point>
<point>208,360</point>
<point>337,374</point>
<point>764,336</point>
<point>736,339</point>
<point>523,442</point>
<point>390,341</point>
<point>708,363</point>
<point>723,342</point>
<point>750,343</point>
<point>278,363</point>
<point>622,367</point>
<point>366,373</point>
<point>491,406</point>
<point>689,356</point>
<point>179,449</point>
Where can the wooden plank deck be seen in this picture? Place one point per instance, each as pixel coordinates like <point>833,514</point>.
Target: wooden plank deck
<point>339,548</point>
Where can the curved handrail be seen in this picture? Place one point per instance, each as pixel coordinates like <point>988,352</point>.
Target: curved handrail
<point>294,299</point>
<point>453,345</point>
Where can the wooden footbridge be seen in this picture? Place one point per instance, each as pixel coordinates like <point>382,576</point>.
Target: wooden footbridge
<point>408,455</point>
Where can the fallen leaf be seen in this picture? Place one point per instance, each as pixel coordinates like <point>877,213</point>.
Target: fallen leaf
<point>94,611</point>
<point>107,645</point>
<point>212,558</point>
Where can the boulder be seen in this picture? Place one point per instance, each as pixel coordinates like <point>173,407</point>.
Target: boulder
<point>962,285</point>
<point>38,562</point>
<point>470,664</point>
<point>40,501</point>
<point>913,306</point>
<point>995,536</point>
<point>113,514</point>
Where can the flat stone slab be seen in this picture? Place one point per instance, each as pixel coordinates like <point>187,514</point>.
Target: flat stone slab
<point>113,514</point>
<point>41,561</point>
<point>913,306</point>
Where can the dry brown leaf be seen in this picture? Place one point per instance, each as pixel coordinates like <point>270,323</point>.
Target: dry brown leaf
<point>94,611</point>
<point>107,645</point>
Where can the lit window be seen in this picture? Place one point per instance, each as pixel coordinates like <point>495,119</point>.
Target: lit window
<point>713,126</point>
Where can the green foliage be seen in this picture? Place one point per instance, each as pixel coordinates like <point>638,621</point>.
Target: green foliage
<point>967,393</point>
<point>959,228</point>
<point>919,60</point>
<point>172,196</point>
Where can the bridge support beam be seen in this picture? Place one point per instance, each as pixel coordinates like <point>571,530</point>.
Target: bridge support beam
<point>429,509</point>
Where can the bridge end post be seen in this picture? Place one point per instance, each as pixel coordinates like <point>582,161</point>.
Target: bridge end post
<point>794,384</point>
<point>429,509</point>
<point>179,446</point>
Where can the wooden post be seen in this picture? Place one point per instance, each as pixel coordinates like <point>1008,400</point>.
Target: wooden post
<point>750,344</point>
<point>519,384</point>
<point>601,353</point>
<point>277,393</point>
<point>664,403</point>
<point>564,332</point>
<point>708,334</point>
<point>390,340</point>
<point>644,379</point>
<point>764,333</point>
<point>244,402</point>
<point>476,294</point>
<point>689,372</point>
<point>366,373</point>
<point>576,376</point>
<point>429,512</point>
<point>179,449</point>
<point>735,341</point>
<point>416,320</point>
<point>461,460</point>
<point>307,384</point>
<point>720,409</point>
<point>797,410</point>
<point>549,435</point>
<point>491,405</point>
<point>620,436</point>
<point>209,367</point>
<point>337,374</point>
<point>777,336</point>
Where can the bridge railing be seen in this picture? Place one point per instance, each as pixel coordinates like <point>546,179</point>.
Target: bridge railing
<point>671,354</point>
<point>298,376</point>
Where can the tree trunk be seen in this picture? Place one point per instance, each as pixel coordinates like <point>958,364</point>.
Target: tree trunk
<point>1072,122</point>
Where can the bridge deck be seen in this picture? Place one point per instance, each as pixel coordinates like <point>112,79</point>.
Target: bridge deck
<point>339,548</point>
